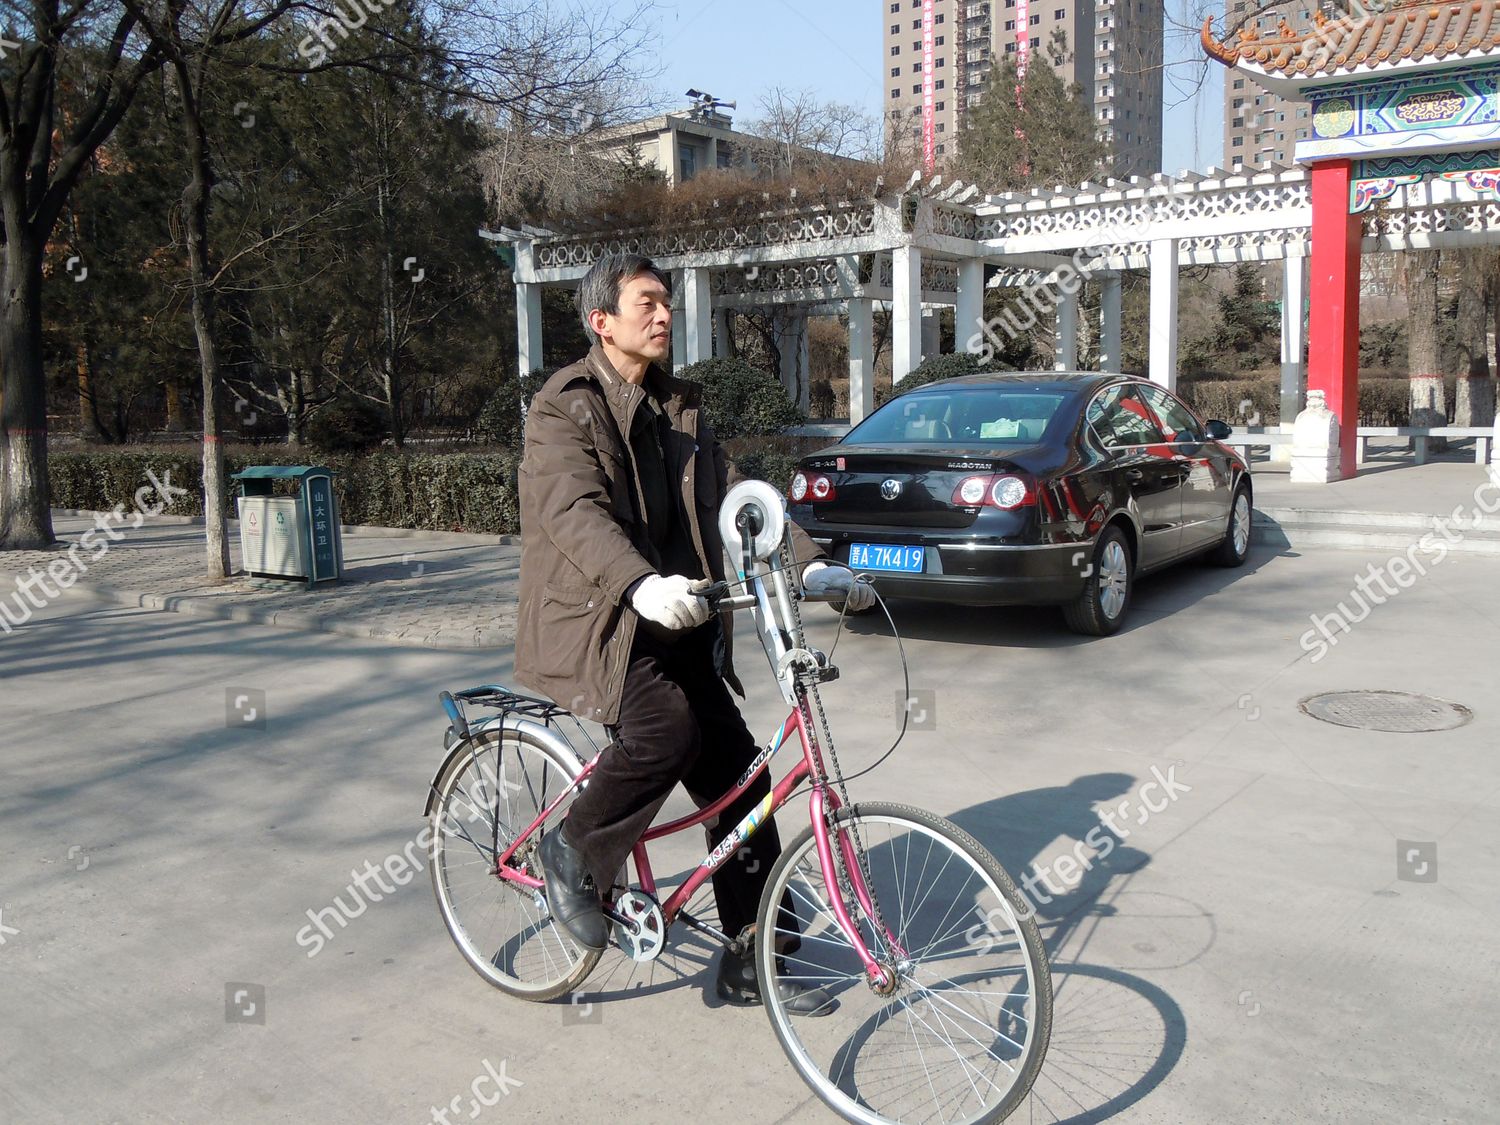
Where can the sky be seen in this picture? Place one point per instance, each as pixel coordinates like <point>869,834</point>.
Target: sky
<point>738,50</point>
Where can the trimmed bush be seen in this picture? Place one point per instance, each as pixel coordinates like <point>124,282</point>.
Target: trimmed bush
<point>1235,401</point>
<point>1383,401</point>
<point>500,422</point>
<point>930,370</point>
<point>427,492</point>
<point>346,426</point>
<point>742,401</point>
<point>774,466</point>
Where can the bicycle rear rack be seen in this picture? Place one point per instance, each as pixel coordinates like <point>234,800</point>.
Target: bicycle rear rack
<point>508,703</point>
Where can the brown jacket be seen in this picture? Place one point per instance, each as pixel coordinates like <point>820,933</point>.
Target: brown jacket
<point>583,535</point>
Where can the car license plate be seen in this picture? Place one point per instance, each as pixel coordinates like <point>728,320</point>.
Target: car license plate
<point>881,556</point>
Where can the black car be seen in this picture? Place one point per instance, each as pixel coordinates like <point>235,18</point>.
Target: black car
<point>1054,488</point>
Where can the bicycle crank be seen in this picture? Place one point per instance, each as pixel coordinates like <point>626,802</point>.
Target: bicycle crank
<point>641,932</point>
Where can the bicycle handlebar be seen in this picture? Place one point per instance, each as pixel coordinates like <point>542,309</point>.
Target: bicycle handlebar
<point>718,598</point>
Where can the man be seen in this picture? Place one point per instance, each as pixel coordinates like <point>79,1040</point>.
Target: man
<point>620,486</point>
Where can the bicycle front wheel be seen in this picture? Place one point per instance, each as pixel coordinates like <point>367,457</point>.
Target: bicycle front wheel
<point>504,930</point>
<point>960,1037</point>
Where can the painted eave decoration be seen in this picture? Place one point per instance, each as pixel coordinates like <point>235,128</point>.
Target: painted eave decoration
<point>1332,51</point>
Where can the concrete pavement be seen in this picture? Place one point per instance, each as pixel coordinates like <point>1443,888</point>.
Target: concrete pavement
<point>1271,953</point>
<point>451,591</point>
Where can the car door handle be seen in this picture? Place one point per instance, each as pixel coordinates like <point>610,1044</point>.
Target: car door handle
<point>1134,476</point>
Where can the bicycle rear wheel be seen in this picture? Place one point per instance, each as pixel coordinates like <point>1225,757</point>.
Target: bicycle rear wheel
<point>505,931</point>
<point>962,1036</point>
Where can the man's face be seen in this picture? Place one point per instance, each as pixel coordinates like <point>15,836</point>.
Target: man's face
<point>643,327</point>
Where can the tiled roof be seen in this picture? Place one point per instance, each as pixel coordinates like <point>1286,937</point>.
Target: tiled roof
<point>1412,33</point>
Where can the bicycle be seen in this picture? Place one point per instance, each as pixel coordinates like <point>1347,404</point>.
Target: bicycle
<point>938,1016</point>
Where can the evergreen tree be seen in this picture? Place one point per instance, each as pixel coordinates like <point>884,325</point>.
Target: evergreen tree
<point>1031,131</point>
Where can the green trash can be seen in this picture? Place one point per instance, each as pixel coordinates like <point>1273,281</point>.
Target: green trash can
<point>290,536</point>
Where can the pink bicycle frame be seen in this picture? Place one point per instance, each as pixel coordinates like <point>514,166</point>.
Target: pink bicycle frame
<point>823,801</point>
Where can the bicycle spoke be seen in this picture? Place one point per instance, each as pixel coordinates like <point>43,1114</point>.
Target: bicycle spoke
<point>935,1049</point>
<point>504,929</point>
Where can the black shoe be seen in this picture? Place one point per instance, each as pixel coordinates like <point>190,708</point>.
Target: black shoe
<point>571,894</point>
<point>738,985</point>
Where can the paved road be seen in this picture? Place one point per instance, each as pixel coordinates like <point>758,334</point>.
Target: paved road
<point>1267,961</point>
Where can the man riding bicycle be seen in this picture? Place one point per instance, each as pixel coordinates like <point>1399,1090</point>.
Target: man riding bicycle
<point>620,487</point>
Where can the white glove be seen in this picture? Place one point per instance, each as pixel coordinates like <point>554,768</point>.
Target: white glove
<point>839,582</point>
<point>671,601</point>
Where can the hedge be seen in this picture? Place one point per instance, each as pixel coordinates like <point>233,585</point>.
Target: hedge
<point>473,492</point>
<point>1382,401</point>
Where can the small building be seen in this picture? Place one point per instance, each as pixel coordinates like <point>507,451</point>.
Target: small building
<point>682,143</point>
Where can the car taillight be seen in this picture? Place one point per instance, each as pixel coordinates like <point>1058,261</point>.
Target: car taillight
<point>798,491</point>
<point>1005,491</point>
<point>971,491</point>
<point>821,487</point>
<point>1010,492</point>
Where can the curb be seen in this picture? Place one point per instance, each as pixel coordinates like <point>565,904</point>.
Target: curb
<point>293,620</point>
<point>470,538</point>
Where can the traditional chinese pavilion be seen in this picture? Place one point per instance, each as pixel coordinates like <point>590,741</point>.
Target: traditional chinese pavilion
<point>1401,96</point>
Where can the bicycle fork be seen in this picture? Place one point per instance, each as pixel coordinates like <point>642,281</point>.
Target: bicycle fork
<point>882,977</point>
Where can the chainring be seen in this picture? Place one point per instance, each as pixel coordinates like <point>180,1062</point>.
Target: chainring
<point>646,942</point>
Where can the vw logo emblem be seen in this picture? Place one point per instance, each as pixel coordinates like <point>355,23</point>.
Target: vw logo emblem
<point>890,489</point>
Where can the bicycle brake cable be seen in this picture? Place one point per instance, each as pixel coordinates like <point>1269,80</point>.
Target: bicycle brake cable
<point>812,693</point>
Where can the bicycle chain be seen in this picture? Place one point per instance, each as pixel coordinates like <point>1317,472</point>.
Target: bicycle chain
<point>846,887</point>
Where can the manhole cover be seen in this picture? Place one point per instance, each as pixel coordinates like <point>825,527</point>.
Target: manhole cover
<point>1396,711</point>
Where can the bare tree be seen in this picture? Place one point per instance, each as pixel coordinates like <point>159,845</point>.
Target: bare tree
<point>98,45</point>
<point>797,130</point>
<point>1474,393</point>
<point>1424,366</point>
<point>522,56</point>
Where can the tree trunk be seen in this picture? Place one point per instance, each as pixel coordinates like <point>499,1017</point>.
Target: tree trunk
<point>1474,397</point>
<point>390,371</point>
<point>1424,370</point>
<point>88,410</point>
<point>176,422</point>
<point>25,490</point>
<point>195,212</point>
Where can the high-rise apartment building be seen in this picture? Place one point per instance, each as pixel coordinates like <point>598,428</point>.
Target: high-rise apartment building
<point>1259,126</point>
<point>1116,57</point>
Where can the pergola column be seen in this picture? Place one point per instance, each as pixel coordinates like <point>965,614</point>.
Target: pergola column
<point>1163,354</point>
<point>932,334</point>
<point>1065,347</point>
<point>906,311</point>
<point>697,315</point>
<point>1333,321</point>
<point>968,316</point>
<point>679,338</point>
<point>528,328</point>
<point>1110,356</point>
<point>1293,335</point>
<point>861,358</point>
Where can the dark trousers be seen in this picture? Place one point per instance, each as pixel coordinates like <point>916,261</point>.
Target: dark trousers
<point>678,722</point>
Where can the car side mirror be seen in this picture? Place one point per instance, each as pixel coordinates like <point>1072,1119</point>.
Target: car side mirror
<point>1217,430</point>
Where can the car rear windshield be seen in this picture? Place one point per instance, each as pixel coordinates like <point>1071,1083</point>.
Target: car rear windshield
<point>971,415</point>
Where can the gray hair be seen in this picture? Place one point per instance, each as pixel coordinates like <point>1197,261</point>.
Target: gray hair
<point>600,288</point>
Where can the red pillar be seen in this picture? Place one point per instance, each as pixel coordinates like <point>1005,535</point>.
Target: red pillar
<point>1333,317</point>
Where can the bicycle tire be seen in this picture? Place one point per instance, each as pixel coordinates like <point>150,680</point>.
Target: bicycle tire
<point>853,1089</point>
<point>540,960</point>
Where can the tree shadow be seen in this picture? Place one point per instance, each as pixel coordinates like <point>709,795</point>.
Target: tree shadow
<point>1115,1035</point>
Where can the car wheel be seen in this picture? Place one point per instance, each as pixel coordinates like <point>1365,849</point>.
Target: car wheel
<point>1235,547</point>
<point>1100,609</point>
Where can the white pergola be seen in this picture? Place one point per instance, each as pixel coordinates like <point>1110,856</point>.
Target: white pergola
<point>928,247</point>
